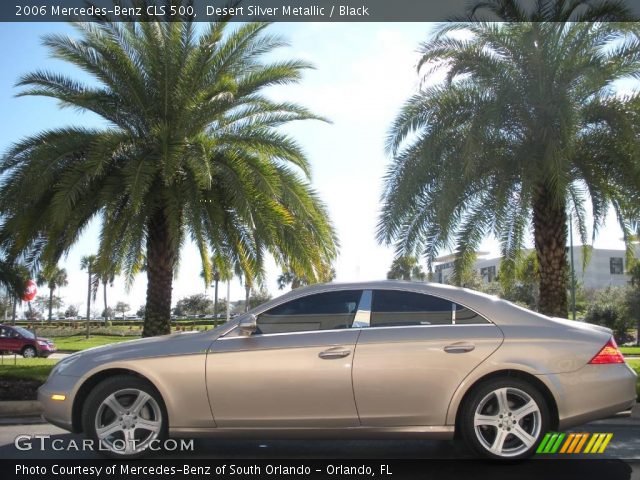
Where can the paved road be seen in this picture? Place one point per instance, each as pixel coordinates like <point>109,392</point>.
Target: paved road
<point>53,356</point>
<point>58,356</point>
<point>624,445</point>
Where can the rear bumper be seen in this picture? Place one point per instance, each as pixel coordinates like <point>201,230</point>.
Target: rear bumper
<point>623,414</point>
<point>592,393</point>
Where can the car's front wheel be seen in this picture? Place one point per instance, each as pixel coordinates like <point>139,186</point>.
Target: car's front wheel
<point>29,352</point>
<point>504,419</point>
<point>124,415</point>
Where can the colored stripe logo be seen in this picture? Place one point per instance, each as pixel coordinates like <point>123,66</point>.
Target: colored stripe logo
<point>554,442</point>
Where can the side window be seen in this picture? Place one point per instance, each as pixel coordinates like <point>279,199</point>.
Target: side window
<point>3,332</point>
<point>616,265</point>
<point>466,316</point>
<point>322,311</point>
<point>392,308</point>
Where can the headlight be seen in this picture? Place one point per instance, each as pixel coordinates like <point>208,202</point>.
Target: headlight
<point>42,344</point>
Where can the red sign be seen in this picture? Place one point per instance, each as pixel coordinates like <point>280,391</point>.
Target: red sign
<point>30,290</point>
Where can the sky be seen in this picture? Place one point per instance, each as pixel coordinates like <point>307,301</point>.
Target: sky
<point>363,73</point>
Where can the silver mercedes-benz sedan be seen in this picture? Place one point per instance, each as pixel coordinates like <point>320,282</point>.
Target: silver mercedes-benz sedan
<point>364,360</point>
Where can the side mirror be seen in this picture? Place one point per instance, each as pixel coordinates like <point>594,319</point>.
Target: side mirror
<point>248,325</point>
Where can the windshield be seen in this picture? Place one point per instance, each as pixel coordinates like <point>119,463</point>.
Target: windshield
<point>24,332</point>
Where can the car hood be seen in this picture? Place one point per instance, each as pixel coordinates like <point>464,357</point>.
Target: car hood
<point>42,339</point>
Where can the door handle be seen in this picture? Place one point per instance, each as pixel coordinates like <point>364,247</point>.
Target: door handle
<point>459,348</point>
<point>335,352</point>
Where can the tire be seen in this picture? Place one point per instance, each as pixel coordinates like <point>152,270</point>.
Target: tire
<point>29,352</point>
<point>124,415</point>
<point>504,419</point>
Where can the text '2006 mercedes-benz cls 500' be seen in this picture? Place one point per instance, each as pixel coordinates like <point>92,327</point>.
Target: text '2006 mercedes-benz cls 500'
<point>361,360</point>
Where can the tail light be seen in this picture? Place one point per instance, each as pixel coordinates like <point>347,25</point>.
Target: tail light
<point>608,354</point>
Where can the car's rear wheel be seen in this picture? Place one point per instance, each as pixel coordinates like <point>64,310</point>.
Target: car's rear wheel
<point>124,415</point>
<point>29,352</point>
<point>504,419</point>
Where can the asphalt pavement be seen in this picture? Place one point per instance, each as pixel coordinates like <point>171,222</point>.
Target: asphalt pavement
<point>624,445</point>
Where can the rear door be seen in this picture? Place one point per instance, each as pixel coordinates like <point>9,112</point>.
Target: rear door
<point>4,339</point>
<point>10,340</point>
<point>414,354</point>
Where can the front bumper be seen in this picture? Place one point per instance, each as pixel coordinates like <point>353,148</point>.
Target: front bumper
<point>46,350</point>
<point>58,412</point>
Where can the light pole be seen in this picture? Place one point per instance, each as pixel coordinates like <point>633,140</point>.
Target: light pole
<point>228,300</point>
<point>247,289</point>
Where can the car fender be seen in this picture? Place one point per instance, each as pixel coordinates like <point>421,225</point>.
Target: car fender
<point>489,368</point>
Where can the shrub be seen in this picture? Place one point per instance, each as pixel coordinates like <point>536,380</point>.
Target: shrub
<point>610,309</point>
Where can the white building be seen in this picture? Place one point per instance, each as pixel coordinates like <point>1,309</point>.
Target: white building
<point>605,267</point>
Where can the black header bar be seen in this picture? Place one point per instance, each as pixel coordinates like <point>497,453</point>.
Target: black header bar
<point>325,469</point>
<point>269,10</point>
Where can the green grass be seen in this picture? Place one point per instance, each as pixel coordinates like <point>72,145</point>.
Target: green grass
<point>26,368</point>
<point>635,364</point>
<point>75,343</point>
<point>630,350</point>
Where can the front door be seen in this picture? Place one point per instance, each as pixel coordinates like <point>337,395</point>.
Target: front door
<point>295,371</point>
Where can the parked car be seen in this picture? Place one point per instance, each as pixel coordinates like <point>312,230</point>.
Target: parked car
<point>379,359</point>
<point>16,339</point>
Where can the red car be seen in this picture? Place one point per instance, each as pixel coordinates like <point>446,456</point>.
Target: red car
<point>20,340</point>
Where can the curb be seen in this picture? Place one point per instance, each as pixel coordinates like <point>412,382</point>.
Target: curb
<point>20,408</point>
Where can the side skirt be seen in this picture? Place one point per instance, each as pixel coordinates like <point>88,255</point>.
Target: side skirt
<point>364,433</point>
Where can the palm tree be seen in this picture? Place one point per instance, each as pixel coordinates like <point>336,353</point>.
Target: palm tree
<point>406,267</point>
<point>106,279</point>
<point>54,277</point>
<point>525,126</point>
<point>288,277</point>
<point>12,278</point>
<point>88,263</point>
<point>192,153</point>
<point>220,271</point>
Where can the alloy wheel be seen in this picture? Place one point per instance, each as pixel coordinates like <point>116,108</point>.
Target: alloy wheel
<point>127,421</point>
<point>507,422</point>
<point>29,352</point>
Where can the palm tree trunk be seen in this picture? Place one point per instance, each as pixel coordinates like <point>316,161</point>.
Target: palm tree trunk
<point>550,235</point>
<point>161,258</point>
<point>215,303</point>
<point>50,302</point>
<point>104,294</point>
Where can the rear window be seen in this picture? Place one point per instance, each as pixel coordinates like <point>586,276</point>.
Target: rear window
<point>398,308</point>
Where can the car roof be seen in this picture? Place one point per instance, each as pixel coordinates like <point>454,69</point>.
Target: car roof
<point>491,307</point>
